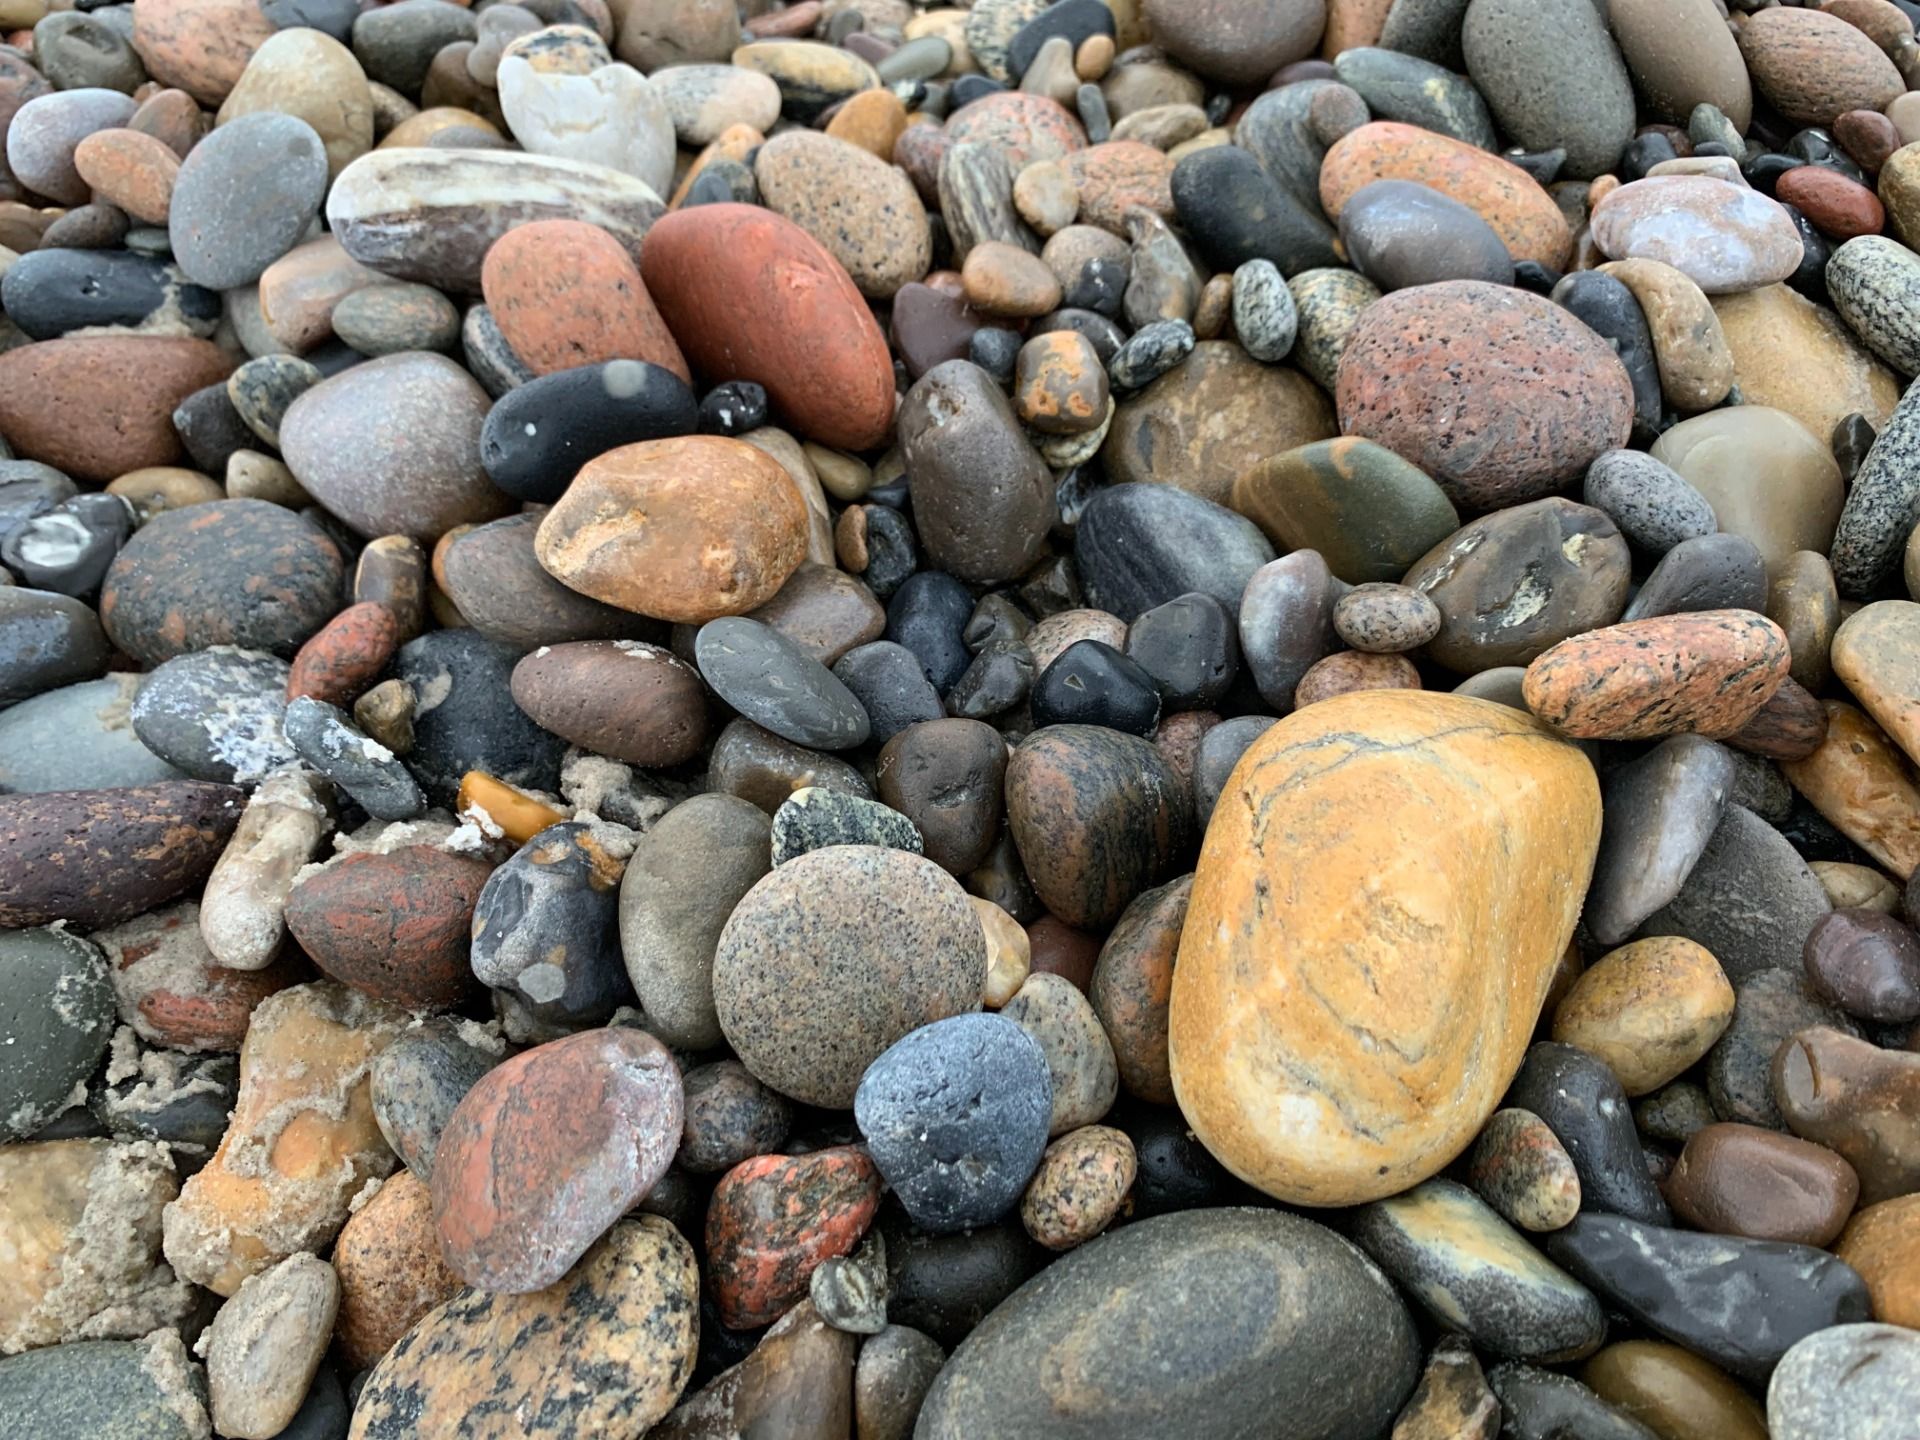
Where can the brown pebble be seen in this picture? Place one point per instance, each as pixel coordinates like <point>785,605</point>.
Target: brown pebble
<point>1350,670</point>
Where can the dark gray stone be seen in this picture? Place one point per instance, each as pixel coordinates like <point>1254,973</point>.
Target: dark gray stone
<point>105,1390</point>
<point>1399,234</point>
<point>1712,572</point>
<point>1220,750</point>
<point>217,714</point>
<point>955,1116</point>
<point>1235,212</point>
<point>48,292</point>
<point>1191,648</point>
<point>777,685</point>
<point>1286,623</point>
<point>1655,508</point>
<point>56,1015</point>
<point>68,549</point>
<point>1542,1405</point>
<point>396,44</point>
<point>417,1081</point>
<point>1302,1339</point>
<point>729,1117</point>
<point>891,686</point>
<point>1608,308</point>
<point>1584,1106</point>
<point>540,433</point>
<point>1740,1303</point>
<point>1660,811</point>
<point>1138,546</point>
<point>1403,87</point>
<point>1750,898</point>
<point>181,1099</point>
<point>1768,1007</point>
<point>327,739</point>
<point>546,928</point>
<point>46,641</point>
<point>1429,29</point>
<point>815,818</point>
<point>1000,678</point>
<point>1276,132</point>
<point>466,719</point>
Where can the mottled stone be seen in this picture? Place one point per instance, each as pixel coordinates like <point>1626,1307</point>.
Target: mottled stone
<point>1519,1167</point>
<point>774,1219</point>
<point>1650,1010</point>
<point>390,1270</point>
<point>1815,66</point>
<point>1723,237</point>
<point>1848,1381</point>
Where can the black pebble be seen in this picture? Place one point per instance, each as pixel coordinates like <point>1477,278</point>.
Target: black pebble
<point>476,726</point>
<point>887,680</point>
<point>1190,646</point>
<point>997,680</point>
<point>67,549</point>
<point>994,350</point>
<point>1091,683</point>
<point>969,88</point>
<point>1607,307</point>
<point>733,408</point>
<point>1643,153</point>
<point>928,614</point>
<point>211,429</point>
<point>538,435</point>
<point>892,555</point>
<point>50,292</point>
<point>1584,1106</point>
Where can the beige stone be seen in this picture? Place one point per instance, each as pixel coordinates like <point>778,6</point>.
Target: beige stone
<point>1650,1010</point>
<point>1864,786</point>
<point>1766,475</point>
<point>1793,355</point>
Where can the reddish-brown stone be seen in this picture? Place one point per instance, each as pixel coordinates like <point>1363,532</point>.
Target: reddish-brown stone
<point>774,1218</point>
<point>1132,983</point>
<point>1115,177</point>
<point>1838,206</point>
<point>1499,394</point>
<point>1346,671</point>
<point>130,169</point>
<point>1743,1180</point>
<point>1790,726</point>
<point>200,46</point>
<point>1025,128</point>
<point>1858,1100</point>
<point>565,293</point>
<point>97,857</point>
<point>130,385</point>
<point>1707,673</point>
<point>751,296</point>
<point>624,699</point>
<point>796,22</point>
<point>1868,136</point>
<point>1059,949</point>
<point>919,151</point>
<point>548,1150</point>
<point>395,926</point>
<point>178,995</point>
<point>347,656</point>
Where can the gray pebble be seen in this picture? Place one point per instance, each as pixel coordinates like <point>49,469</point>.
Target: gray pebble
<point>245,196</point>
<point>1653,505</point>
<point>777,685</point>
<point>1417,92</point>
<point>327,739</point>
<point>1264,315</point>
<point>1709,572</point>
<point>217,714</point>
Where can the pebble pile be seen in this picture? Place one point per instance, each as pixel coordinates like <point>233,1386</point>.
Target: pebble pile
<point>1030,720</point>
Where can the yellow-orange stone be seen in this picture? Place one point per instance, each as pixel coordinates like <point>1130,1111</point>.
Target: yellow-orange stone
<point>686,530</point>
<point>1386,887</point>
<point>1882,1242</point>
<point>301,1143</point>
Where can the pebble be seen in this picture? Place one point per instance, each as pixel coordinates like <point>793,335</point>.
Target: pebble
<point>863,211</point>
<point>388,1264</point>
<point>1815,67</point>
<point>1471,1270</point>
<point>1879,1243</point>
<point>730,1118</point>
<point>621,698</point>
<point>466,719</point>
<point>1003,1375</point>
<point>52,292</point>
<point>1452,1398</point>
<point>1725,238</point>
<point>216,714</point>
<point>1790,354</point>
<point>96,749</point>
<point>1551,74</point>
<point>1846,1094</point>
<point>1743,1180</point>
<point>1399,234</point>
<point>245,196</point>
<point>266,1344</point>
<point>113,1389</point>
<point>611,1347</point>
<point>1079,1187</point>
<point>564,293</point>
<point>1650,1010</point>
<point>562,882</point>
<point>1141,545</point>
<point>1404,87</point>
<point>1847,1381</point>
<point>1537,1404</point>
<point>872,922</point>
<point>59,1017</point>
<point>1519,1167</point>
<point>1209,1086</point>
<point>1662,1385</point>
<point>772,1222</point>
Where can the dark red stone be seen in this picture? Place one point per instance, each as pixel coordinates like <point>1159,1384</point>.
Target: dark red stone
<point>395,925</point>
<point>346,657</point>
<point>774,1218</point>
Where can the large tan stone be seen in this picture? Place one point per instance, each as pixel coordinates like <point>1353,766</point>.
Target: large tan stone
<point>1876,655</point>
<point>1766,475</point>
<point>1796,356</point>
<point>1385,889</point>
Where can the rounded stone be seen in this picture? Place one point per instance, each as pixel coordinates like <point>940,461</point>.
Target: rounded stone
<point>241,572</point>
<point>1848,1382</point>
<point>77,737</point>
<point>871,943</point>
<point>684,529</point>
<point>1519,1167</point>
<point>955,1117</point>
<point>548,1150</point>
<point>1873,282</point>
<point>245,196</point>
<point>392,447</point>
<point>1814,67</point>
<point>565,293</point>
<point>1743,1180</point>
<point>621,698</point>
<point>1650,1010</point>
<point>1228,43</point>
<point>1080,1060</point>
<point>393,925</point>
<point>947,777</point>
<point>43,133</point>
<point>1293,1305</point>
<point>1078,1188</point>
<point>862,210</point>
<point>1882,1242</point>
<point>775,1219</point>
<point>1682,54</point>
<point>777,685</point>
<point>1478,355</point>
<point>466,719</point>
<point>575,416</point>
<point>1399,234</point>
<point>216,714</point>
<point>56,1015</point>
<point>1535,804</point>
<point>1722,237</point>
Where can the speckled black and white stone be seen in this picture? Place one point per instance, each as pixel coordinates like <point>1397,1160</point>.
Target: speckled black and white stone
<point>1474,1272</point>
<point>415,1084</point>
<point>728,1117</point>
<point>106,1390</point>
<point>1881,506</point>
<point>327,739</point>
<point>1850,1381</point>
<point>1740,1303</point>
<point>1875,285</point>
<point>217,714</point>
<point>1264,316</point>
<point>955,1116</point>
<point>1655,508</point>
<point>605,1351</point>
<point>816,818</point>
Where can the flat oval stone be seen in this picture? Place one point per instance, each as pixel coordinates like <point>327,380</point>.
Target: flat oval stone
<point>431,215</point>
<point>1530,796</point>
<point>863,210</point>
<point>1793,355</point>
<point>1815,67</point>
<point>43,133</point>
<point>1551,74</point>
<point>1866,962</point>
<point>1847,1381</point>
<point>216,714</point>
<point>873,943</point>
<point>77,735</point>
<point>135,381</point>
<point>335,439</point>
<point>538,435</point>
<point>1740,1303</point>
<point>1398,234</point>
<point>1766,476</point>
<point>983,499</point>
<point>777,685</point>
<point>1521,213</point>
<point>244,197</point>
<point>1503,441</point>
<point>621,698</point>
<point>1707,672</point>
<point>814,347</point>
<point>493,576</point>
<point>59,1013</point>
<point>1650,1010</point>
<point>352,915</point>
<point>51,291</point>
<point>1138,546</point>
<point>1233,209</point>
<point>547,1151</point>
<point>1511,585</point>
<point>1205,421</point>
<point>1663,1385</point>
<point>1472,1271</point>
<point>1722,237</point>
<point>99,857</point>
<point>1743,1180</point>
<point>1683,55</point>
<point>50,640</point>
<point>1873,281</point>
<point>1400,85</point>
<point>1272,1352</point>
<point>609,1348</point>
<point>682,882</point>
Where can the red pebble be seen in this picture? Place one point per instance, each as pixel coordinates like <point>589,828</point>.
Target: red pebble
<point>183,999</point>
<point>396,926</point>
<point>775,1218</point>
<point>548,1150</point>
<point>1059,949</point>
<point>1837,206</point>
<point>346,657</point>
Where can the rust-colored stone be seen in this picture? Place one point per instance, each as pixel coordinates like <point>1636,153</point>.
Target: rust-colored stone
<point>129,169</point>
<point>621,698</point>
<point>688,529</point>
<point>131,384</point>
<point>1858,1100</point>
<point>806,334</point>
<point>1132,983</point>
<point>391,1273</point>
<point>346,656</point>
<point>1744,1180</point>
<point>1838,206</point>
<point>548,1150</point>
<point>200,46</point>
<point>1814,66</point>
<point>1705,673</point>
<point>565,293</point>
<point>98,857</point>
<point>1521,213</point>
<point>1882,1242</point>
<point>300,289</point>
<point>1351,670</point>
<point>774,1218</point>
<point>174,993</point>
<point>1116,176</point>
<point>395,926</point>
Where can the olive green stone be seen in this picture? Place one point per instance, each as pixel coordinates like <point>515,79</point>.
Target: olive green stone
<point>1370,513</point>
